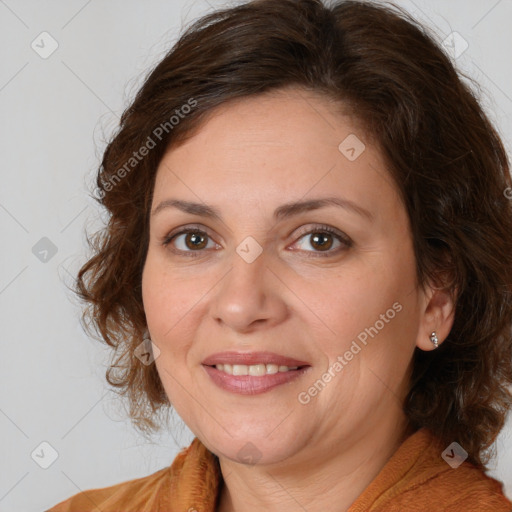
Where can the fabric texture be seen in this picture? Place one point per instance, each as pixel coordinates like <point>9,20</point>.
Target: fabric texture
<point>415,479</point>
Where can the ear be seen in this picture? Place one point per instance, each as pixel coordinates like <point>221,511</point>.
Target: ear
<point>436,315</point>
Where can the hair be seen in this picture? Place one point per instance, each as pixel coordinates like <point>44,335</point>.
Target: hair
<point>446,159</point>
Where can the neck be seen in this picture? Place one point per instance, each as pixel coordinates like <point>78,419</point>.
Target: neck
<point>313,480</point>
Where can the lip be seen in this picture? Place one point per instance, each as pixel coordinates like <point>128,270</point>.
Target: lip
<point>250,385</point>
<point>249,358</point>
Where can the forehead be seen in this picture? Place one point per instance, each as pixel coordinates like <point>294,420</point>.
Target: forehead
<point>267,149</point>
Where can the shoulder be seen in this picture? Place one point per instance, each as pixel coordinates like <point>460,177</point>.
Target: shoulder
<point>465,488</point>
<point>417,478</point>
<point>461,487</point>
<point>130,495</point>
<point>137,495</point>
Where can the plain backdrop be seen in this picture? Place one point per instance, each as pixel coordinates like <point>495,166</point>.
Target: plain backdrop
<point>68,69</point>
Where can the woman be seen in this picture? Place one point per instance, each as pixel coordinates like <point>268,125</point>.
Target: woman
<point>308,257</point>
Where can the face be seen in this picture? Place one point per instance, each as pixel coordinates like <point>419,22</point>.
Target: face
<point>331,290</point>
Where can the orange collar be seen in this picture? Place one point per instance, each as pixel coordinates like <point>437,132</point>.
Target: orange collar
<point>415,475</point>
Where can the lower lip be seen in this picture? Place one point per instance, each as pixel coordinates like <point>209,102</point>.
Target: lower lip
<point>250,385</point>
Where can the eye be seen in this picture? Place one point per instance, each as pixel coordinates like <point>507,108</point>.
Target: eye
<point>321,239</point>
<point>193,240</point>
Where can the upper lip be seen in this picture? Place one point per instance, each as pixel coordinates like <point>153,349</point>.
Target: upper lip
<point>250,358</point>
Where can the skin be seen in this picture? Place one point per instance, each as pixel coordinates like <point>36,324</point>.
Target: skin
<point>250,157</point>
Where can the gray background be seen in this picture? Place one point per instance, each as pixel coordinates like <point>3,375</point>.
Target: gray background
<point>56,114</point>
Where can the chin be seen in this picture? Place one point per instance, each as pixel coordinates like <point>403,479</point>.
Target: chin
<point>251,449</point>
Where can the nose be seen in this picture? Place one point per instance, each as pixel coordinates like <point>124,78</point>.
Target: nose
<point>250,296</point>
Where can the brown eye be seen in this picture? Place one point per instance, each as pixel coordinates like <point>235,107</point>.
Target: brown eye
<point>188,240</point>
<point>195,240</point>
<point>322,239</point>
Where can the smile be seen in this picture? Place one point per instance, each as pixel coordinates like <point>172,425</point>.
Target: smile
<point>252,373</point>
<point>256,370</point>
<point>248,384</point>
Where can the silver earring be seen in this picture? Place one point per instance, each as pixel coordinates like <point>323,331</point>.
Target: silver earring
<point>434,339</point>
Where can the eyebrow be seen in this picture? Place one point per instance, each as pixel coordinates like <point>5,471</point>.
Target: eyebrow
<point>282,212</point>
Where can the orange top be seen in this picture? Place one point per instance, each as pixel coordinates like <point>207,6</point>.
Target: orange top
<point>415,479</point>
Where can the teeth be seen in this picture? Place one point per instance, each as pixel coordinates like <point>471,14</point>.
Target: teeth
<point>256,370</point>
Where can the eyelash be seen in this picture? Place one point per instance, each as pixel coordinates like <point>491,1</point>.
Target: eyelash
<point>319,229</point>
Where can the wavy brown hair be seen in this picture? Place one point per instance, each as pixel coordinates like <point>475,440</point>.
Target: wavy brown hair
<point>443,153</point>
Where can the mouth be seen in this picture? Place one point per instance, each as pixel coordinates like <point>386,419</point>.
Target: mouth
<point>255,370</point>
<point>252,373</point>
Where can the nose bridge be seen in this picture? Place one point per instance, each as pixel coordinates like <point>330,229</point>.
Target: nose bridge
<point>247,292</point>
<point>246,279</point>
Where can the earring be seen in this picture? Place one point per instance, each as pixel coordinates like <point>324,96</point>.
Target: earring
<point>434,340</point>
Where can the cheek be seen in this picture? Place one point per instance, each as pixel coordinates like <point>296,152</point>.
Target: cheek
<point>174,304</point>
<point>166,298</point>
<point>347,302</point>
<point>371,305</point>
<point>166,305</point>
<point>155,299</point>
